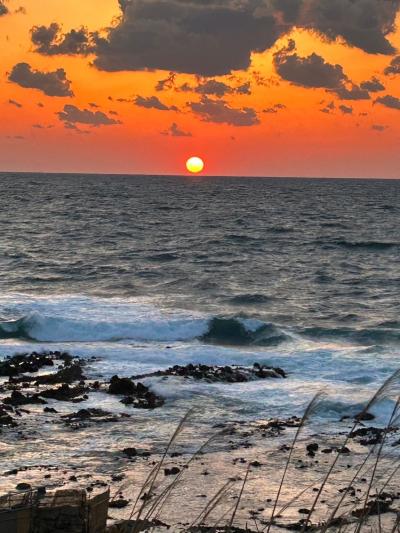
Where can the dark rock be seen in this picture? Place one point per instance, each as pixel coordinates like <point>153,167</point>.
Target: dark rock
<point>17,398</point>
<point>304,511</point>
<point>118,504</point>
<point>5,418</point>
<point>22,363</point>
<point>312,448</point>
<point>23,486</point>
<point>64,393</point>
<point>50,410</point>
<point>172,471</point>
<point>222,374</point>
<point>69,374</point>
<point>122,386</point>
<point>369,436</point>
<point>130,452</point>
<point>365,417</point>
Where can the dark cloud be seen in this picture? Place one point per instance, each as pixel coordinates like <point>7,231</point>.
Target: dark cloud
<point>389,101</point>
<point>152,102</point>
<point>346,110</point>
<point>218,111</point>
<point>216,37</point>
<point>351,91</point>
<point>50,83</point>
<point>394,67</point>
<point>15,103</point>
<point>312,71</point>
<point>175,131</point>
<point>72,115</point>
<point>373,85</point>
<point>49,40</point>
<point>42,126</point>
<point>166,83</point>
<point>197,37</point>
<point>3,9</point>
<point>364,24</point>
<point>214,88</point>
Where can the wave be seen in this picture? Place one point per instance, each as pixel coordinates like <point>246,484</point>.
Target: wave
<point>369,246</point>
<point>217,330</point>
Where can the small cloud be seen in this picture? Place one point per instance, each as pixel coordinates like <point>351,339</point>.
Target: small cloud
<point>72,115</point>
<point>167,83</point>
<point>346,110</point>
<point>373,85</point>
<point>113,113</point>
<point>42,126</point>
<point>50,41</point>
<point>50,83</point>
<point>389,101</point>
<point>329,108</point>
<point>93,105</point>
<point>21,10</point>
<point>351,91</point>
<point>174,131</point>
<point>3,9</point>
<point>393,68</point>
<point>15,103</point>
<point>219,112</point>
<point>16,137</point>
<point>378,127</point>
<point>152,102</point>
<point>39,104</point>
<point>274,109</point>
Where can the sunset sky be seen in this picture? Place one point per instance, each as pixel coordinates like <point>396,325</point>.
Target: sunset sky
<point>254,87</point>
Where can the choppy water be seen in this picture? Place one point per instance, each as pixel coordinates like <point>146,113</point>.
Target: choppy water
<point>134,269</point>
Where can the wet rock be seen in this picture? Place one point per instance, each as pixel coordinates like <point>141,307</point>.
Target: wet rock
<point>118,504</point>
<point>23,486</point>
<point>312,448</point>
<point>22,363</point>
<point>123,386</point>
<point>69,374</point>
<point>376,506</point>
<point>5,418</point>
<point>221,374</point>
<point>368,436</point>
<point>50,410</point>
<point>365,417</point>
<point>17,398</point>
<point>171,471</point>
<point>130,452</point>
<point>63,393</point>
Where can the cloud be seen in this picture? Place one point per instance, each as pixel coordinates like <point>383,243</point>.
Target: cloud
<point>3,9</point>
<point>15,103</point>
<point>197,37</point>
<point>378,127</point>
<point>72,115</point>
<point>394,67</point>
<point>50,83</point>
<point>166,83</point>
<point>373,85</point>
<point>389,101</point>
<point>351,91</point>
<point>218,111</point>
<point>364,24</point>
<point>174,131</point>
<point>274,109</point>
<point>314,72</point>
<point>213,87</point>
<point>152,102</point>
<point>346,110</point>
<point>49,40</point>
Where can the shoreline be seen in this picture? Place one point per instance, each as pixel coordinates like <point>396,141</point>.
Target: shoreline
<point>260,446</point>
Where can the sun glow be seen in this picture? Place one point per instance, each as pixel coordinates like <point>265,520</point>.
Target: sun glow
<point>195,165</point>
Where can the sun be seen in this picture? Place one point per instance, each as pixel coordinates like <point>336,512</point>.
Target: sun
<point>195,164</point>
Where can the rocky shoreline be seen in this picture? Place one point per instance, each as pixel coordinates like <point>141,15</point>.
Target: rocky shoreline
<point>258,449</point>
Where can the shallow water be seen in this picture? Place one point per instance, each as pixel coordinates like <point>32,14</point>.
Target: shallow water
<point>134,270</point>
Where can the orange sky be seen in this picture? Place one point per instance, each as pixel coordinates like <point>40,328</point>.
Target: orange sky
<point>298,140</point>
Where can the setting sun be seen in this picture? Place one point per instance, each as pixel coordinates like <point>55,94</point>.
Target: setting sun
<point>195,165</point>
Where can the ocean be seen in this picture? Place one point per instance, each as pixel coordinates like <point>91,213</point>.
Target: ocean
<point>145,272</point>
